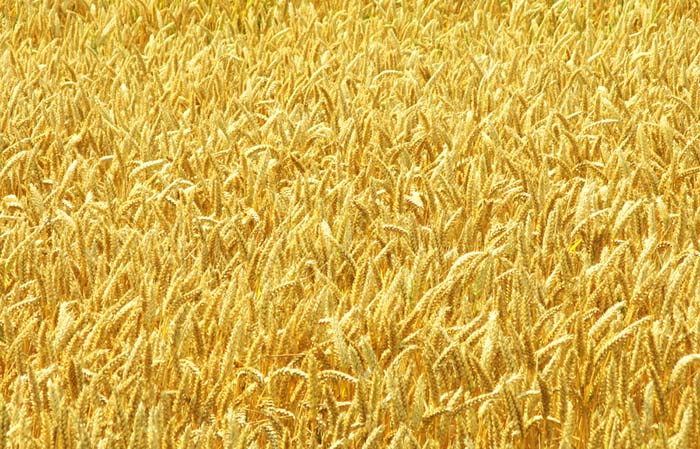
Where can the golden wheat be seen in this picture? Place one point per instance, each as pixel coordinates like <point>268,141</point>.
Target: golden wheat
<point>351,224</point>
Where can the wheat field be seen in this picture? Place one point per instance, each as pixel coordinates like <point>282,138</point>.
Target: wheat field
<point>349,224</point>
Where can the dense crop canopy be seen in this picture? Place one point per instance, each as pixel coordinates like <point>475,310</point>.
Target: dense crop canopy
<point>358,224</point>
